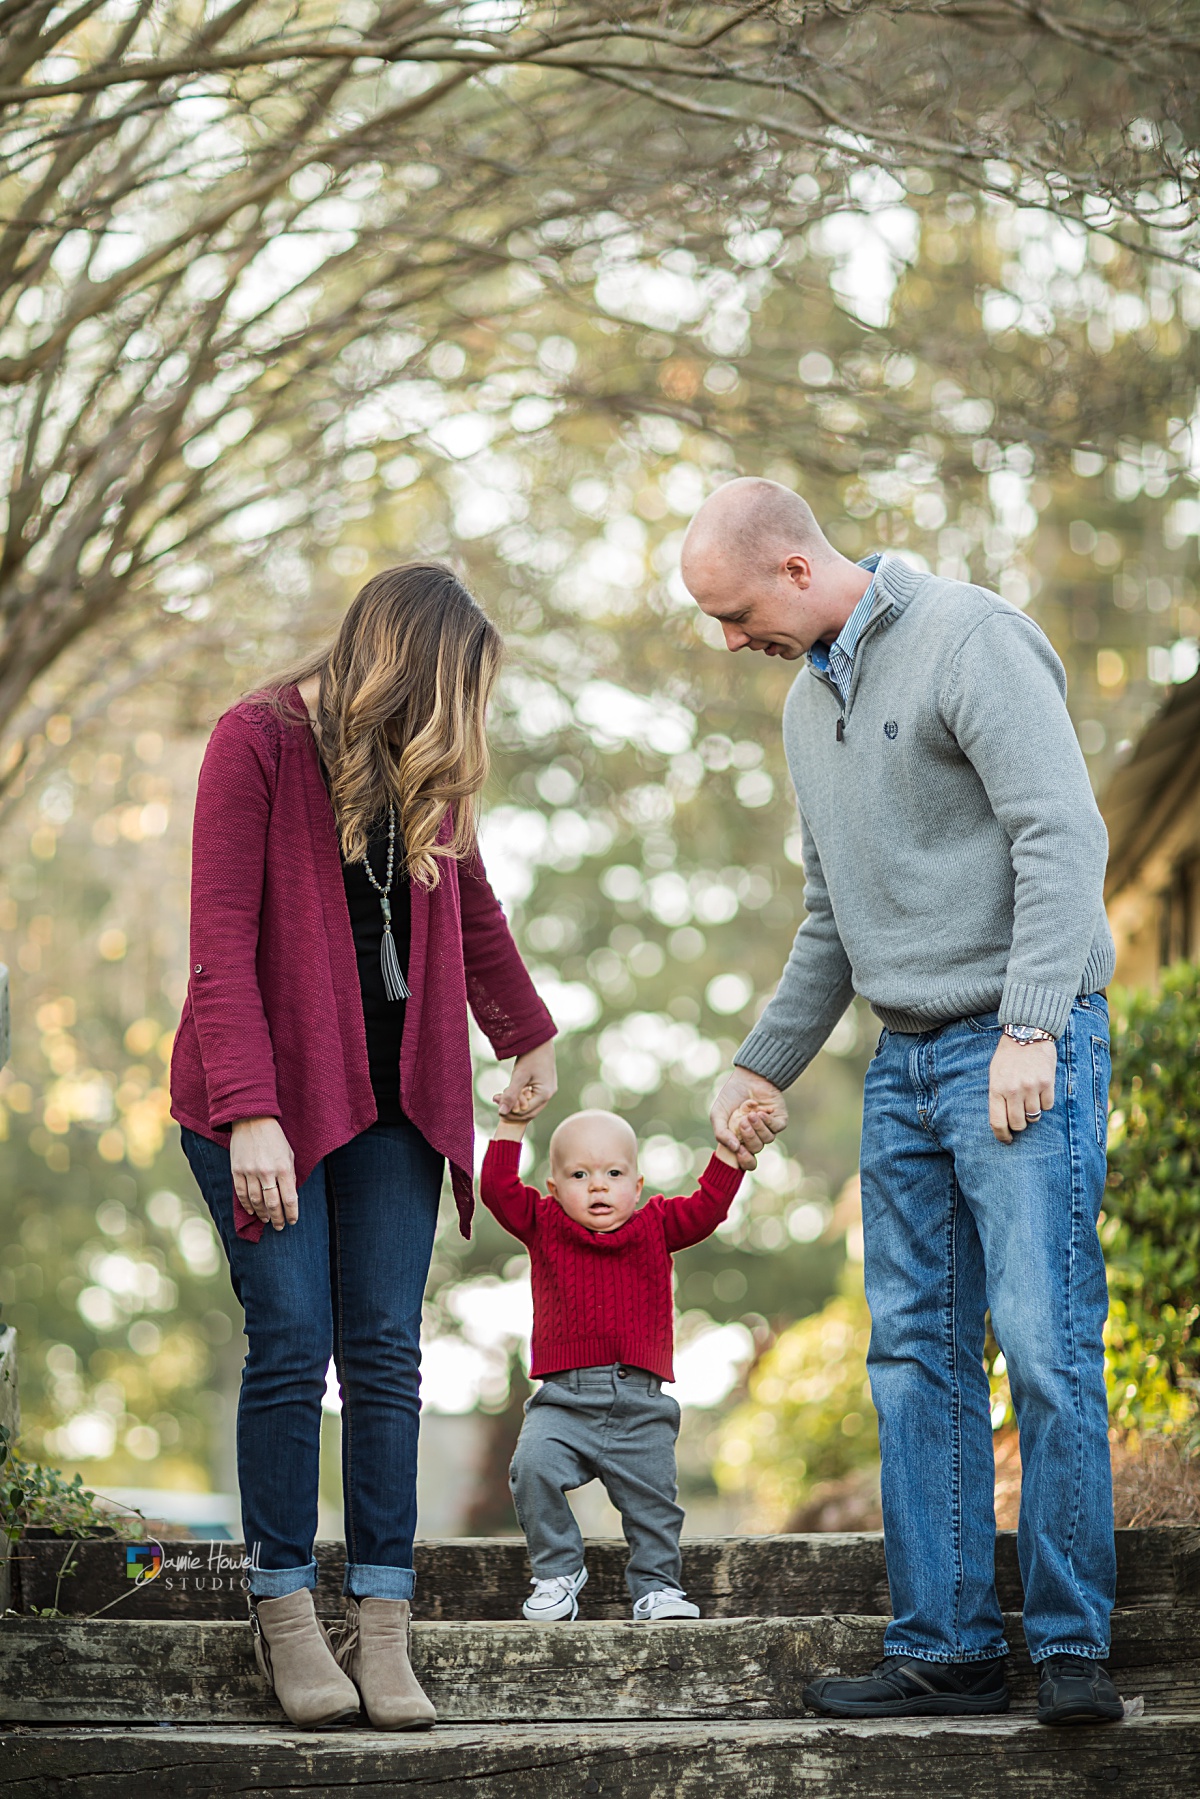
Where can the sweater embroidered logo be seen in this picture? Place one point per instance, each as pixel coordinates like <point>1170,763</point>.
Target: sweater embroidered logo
<point>890,728</point>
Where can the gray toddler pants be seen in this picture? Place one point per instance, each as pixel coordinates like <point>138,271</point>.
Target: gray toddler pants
<point>615,1425</point>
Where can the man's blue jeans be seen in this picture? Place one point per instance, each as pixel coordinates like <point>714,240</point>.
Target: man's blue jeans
<point>955,1223</point>
<point>346,1280</point>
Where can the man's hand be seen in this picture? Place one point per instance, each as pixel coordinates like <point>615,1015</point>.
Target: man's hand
<point>753,1132</point>
<point>740,1123</point>
<point>1020,1085</point>
<point>264,1171</point>
<point>531,1085</point>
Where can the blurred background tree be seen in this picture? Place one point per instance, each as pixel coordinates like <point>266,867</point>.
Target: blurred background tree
<point>234,243</point>
<point>293,295</point>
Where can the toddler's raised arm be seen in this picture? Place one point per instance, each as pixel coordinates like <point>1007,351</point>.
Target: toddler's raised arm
<point>691,1219</point>
<point>502,1190</point>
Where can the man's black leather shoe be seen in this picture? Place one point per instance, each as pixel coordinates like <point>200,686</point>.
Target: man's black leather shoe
<point>901,1687</point>
<point>1073,1689</point>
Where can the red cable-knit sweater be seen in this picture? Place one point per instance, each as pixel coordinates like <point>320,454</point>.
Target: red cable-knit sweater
<point>602,1296</point>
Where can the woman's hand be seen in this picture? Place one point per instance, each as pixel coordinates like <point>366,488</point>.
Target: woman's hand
<point>531,1085</point>
<point>264,1171</point>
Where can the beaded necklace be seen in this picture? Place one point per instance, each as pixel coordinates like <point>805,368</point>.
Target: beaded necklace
<point>394,983</point>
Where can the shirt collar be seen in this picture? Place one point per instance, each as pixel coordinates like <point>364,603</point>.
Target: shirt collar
<point>852,630</point>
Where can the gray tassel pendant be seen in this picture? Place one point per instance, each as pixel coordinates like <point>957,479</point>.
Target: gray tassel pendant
<point>394,983</point>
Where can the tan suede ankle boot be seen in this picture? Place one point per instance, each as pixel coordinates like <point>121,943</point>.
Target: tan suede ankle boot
<point>374,1653</point>
<point>293,1651</point>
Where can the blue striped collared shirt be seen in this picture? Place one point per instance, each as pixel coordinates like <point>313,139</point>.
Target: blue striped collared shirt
<point>837,659</point>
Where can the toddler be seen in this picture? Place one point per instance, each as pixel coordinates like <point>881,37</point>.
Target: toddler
<point>603,1332</point>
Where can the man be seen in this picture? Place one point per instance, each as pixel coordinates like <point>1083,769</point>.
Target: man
<point>954,861</point>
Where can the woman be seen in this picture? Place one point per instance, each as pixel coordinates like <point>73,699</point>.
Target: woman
<point>341,924</point>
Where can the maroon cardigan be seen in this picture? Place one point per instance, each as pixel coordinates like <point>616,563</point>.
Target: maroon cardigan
<point>273,1023</point>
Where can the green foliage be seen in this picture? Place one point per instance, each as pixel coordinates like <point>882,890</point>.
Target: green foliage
<point>1140,1367</point>
<point>38,1498</point>
<point>1152,1228</point>
<point>808,1417</point>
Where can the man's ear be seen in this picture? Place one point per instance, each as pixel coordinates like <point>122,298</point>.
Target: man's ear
<point>798,570</point>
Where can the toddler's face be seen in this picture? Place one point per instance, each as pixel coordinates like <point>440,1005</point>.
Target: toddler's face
<point>593,1166</point>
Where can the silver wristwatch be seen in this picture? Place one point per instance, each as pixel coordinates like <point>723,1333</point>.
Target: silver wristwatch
<point>1027,1033</point>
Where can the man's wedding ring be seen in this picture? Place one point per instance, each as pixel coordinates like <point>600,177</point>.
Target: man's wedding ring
<point>268,1186</point>
<point>1032,1117</point>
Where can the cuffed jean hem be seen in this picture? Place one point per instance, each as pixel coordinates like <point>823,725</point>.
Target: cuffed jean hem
<point>1085,1652</point>
<point>277,1583</point>
<point>363,1581</point>
<point>950,1661</point>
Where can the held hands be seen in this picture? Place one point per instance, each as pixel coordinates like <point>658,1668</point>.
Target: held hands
<point>748,1119</point>
<point>531,1086</point>
<point>1020,1085</point>
<point>264,1171</point>
<point>747,1114</point>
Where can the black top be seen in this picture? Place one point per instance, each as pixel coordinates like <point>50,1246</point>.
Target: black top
<point>382,1017</point>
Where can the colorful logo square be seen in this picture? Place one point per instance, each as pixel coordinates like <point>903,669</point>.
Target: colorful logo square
<point>142,1561</point>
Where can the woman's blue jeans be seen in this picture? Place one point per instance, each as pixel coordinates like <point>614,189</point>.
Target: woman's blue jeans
<point>346,1280</point>
<point>954,1224</point>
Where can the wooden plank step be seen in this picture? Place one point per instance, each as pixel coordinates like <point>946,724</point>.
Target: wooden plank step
<point>1002,1758</point>
<point>476,1578</point>
<point>95,1671</point>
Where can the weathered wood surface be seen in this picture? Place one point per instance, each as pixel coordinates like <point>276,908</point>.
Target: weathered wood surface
<point>93,1671</point>
<point>1002,1758</point>
<point>10,1403</point>
<point>478,1578</point>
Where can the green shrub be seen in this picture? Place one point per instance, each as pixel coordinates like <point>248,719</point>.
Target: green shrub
<point>808,1417</point>
<point>1151,1229</point>
<point>1145,1393</point>
<point>37,1498</point>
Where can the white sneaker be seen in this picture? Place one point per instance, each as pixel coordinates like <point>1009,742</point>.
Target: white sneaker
<point>554,1598</point>
<point>665,1603</point>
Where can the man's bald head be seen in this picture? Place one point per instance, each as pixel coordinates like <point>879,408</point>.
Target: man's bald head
<point>756,560</point>
<point>756,524</point>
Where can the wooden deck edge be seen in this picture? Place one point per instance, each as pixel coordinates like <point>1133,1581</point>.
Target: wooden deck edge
<point>1155,1757</point>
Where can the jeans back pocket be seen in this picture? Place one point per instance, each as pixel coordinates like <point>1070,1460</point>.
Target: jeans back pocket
<point>1101,1076</point>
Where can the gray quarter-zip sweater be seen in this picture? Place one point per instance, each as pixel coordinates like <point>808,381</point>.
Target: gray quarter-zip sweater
<point>953,853</point>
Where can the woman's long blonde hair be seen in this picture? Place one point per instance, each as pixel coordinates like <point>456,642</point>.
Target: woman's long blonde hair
<point>401,711</point>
